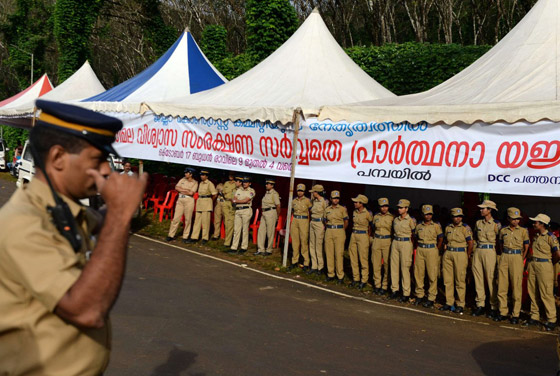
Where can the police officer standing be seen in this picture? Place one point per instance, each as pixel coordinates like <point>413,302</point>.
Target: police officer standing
<point>243,200</point>
<point>381,246</point>
<point>458,249</point>
<point>227,207</point>
<point>317,228</point>
<point>484,259</point>
<point>218,211</point>
<point>61,264</point>
<point>270,207</point>
<point>430,240</point>
<point>186,187</point>
<point>540,282</point>
<point>359,242</point>
<point>401,251</point>
<point>514,244</point>
<point>204,206</point>
<point>299,228</point>
<point>336,219</point>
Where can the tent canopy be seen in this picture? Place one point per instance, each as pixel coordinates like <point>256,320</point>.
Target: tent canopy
<point>182,70</point>
<point>307,71</point>
<point>38,88</point>
<point>516,80</point>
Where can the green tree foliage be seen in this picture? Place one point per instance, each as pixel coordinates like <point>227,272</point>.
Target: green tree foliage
<point>414,67</point>
<point>158,34</point>
<point>232,67</point>
<point>13,137</point>
<point>269,24</point>
<point>214,43</point>
<point>73,23</point>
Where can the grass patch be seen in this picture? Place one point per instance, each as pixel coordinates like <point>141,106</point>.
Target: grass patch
<point>7,176</point>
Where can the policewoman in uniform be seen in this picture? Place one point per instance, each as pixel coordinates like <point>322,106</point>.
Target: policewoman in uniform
<point>299,228</point>
<point>186,187</point>
<point>484,259</point>
<point>358,248</point>
<point>458,249</point>
<point>430,239</point>
<point>317,228</point>
<point>514,243</point>
<point>381,246</point>
<point>401,251</point>
<point>218,211</point>
<point>243,200</point>
<point>204,206</point>
<point>228,209</point>
<point>270,207</point>
<point>336,220</point>
<point>540,282</point>
<point>62,264</point>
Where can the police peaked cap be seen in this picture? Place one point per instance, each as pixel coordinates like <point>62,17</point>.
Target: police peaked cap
<point>191,170</point>
<point>97,129</point>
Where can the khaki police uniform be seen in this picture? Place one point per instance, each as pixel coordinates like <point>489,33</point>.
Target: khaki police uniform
<point>427,258</point>
<point>317,232</point>
<point>38,266</point>
<point>204,207</point>
<point>243,214</point>
<point>540,282</point>
<point>455,261</point>
<point>228,210</point>
<point>358,248</point>
<point>381,246</point>
<point>484,261</point>
<point>299,229</point>
<point>184,206</point>
<point>269,218</point>
<point>401,253</point>
<point>218,211</point>
<point>335,236</point>
<point>510,267</point>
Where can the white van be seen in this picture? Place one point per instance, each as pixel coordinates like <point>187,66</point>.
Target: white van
<point>3,154</point>
<point>26,168</point>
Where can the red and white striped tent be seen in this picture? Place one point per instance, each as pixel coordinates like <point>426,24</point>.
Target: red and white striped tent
<point>41,86</point>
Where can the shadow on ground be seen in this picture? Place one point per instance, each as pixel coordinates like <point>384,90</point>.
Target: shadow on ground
<point>177,362</point>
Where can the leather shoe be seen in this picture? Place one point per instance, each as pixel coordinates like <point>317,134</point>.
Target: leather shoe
<point>168,239</point>
<point>267,254</point>
<point>394,295</point>
<point>361,285</point>
<point>514,320</point>
<point>204,241</point>
<point>190,240</point>
<point>459,310</point>
<point>381,292</point>
<point>353,283</point>
<point>492,313</point>
<point>418,301</point>
<point>232,251</point>
<point>339,281</point>
<point>549,326</point>
<point>428,304</point>
<point>531,322</point>
<point>258,253</point>
<point>329,279</point>
<point>311,271</point>
<point>500,318</point>
<point>404,299</point>
<point>478,311</point>
<point>242,251</point>
<point>305,268</point>
<point>293,266</point>
<point>446,307</point>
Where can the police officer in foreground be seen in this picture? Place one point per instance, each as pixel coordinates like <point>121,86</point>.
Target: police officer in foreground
<point>458,236</point>
<point>484,259</point>
<point>227,207</point>
<point>336,220</point>
<point>358,248</point>
<point>58,277</point>
<point>514,244</point>
<point>243,200</point>
<point>430,240</point>
<point>401,251</point>
<point>204,206</point>
<point>317,229</point>
<point>540,282</point>
<point>270,207</point>
<point>186,187</point>
<point>381,246</point>
<point>299,228</point>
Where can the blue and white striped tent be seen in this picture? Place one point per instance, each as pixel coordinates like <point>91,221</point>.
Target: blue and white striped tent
<point>181,71</point>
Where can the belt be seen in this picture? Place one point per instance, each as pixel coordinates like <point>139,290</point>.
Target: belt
<point>241,207</point>
<point>486,246</point>
<point>421,245</point>
<point>456,249</point>
<point>267,209</point>
<point>317,219</point>
<point>537,259</point>
<point>335,226</point>
<point>512,251</point>
<point>402,239</point>
<point>205,196</point>
<point>382,236</point>
<point>359,231</point>
<point>181,195</point>
<point>300,217</point>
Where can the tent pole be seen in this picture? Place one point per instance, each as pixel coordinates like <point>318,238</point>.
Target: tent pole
<point>296,121</point>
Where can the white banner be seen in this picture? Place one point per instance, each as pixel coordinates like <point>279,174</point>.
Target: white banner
<point>517,158</point>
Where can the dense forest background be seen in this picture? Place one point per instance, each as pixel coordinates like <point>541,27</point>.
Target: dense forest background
<point>406,45</point>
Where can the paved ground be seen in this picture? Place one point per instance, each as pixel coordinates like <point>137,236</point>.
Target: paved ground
<point>187,313</point>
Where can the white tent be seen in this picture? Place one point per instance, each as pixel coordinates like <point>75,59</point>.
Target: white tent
<point>518,79</point>
<point>308,71</point>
